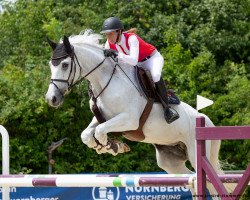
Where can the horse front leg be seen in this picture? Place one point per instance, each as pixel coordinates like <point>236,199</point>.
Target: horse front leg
<point>120,123</point>
<point>113,148</point>
<point>87,135</point>
<point>88,138</point>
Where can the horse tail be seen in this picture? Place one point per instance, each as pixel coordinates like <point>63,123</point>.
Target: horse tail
<point>214,150</point>
<point>214,156</point>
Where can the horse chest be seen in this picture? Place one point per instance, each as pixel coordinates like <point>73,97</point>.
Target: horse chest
<point>108,109</point>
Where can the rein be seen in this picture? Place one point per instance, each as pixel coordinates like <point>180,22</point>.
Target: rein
<point>71,83</point>
<point>80,79</point>
<point>91,92</point>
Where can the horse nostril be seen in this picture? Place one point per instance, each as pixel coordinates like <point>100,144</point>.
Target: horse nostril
<point>54,99</point>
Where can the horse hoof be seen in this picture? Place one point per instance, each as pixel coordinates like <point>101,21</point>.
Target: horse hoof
<point>122,147</point>
<point>126,148</point>
<point>115,147</point>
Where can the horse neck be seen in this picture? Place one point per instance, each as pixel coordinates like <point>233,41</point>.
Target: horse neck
<point>89,57</point>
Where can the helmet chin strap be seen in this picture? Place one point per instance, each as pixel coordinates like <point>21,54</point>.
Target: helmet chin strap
<point>118,36</point>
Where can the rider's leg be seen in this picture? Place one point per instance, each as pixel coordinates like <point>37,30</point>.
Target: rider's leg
<point>170,116</point>
<point>155,65</point>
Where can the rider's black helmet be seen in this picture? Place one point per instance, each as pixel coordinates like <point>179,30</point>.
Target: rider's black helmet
<point>112,24</point>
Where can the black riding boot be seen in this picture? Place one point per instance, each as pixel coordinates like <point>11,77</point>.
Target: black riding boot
<point>169,114</point>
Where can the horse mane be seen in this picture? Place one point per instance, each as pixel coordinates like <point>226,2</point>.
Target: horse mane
<point>86,37</point>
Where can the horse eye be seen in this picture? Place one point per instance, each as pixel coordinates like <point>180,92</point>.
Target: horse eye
<point>65,66</point>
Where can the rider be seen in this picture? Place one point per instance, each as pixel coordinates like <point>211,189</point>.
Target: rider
<point>131,49</point>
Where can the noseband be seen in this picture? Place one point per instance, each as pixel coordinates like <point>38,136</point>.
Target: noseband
<point>71,83</point>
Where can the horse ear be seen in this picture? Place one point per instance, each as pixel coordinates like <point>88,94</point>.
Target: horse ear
<point>67,45</point>
<point>51,43</point>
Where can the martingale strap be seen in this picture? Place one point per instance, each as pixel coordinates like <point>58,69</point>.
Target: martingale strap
<point>133,135</point>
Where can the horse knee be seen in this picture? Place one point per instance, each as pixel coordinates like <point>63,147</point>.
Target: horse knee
<point>88,139</point>
<point>100,134</point>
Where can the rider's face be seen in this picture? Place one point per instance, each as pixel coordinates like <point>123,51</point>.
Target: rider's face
<point>112,36</point>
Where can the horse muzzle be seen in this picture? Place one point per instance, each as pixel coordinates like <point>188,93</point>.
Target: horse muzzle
<point>54,98</point>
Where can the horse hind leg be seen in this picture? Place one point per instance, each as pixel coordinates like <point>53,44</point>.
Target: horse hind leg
<point>172,159</point>
<point>213,149</point>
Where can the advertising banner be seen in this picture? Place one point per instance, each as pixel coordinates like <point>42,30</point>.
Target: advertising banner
<point>100,193</point>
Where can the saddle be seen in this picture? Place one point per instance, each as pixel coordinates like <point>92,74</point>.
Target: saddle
<point>146,84</point>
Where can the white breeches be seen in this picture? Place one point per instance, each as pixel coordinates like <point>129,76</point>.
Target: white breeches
<point>154,65</point>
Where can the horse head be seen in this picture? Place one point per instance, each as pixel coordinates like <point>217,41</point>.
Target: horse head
<point>63,71</point>
<point>73,59</point>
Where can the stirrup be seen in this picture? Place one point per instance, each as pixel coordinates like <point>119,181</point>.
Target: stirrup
<point>170,116</point>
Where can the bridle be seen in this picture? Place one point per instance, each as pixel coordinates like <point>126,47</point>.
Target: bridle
<point>69,82</point>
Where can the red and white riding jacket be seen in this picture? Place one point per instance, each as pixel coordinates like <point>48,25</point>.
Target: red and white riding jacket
<point>131,48</point>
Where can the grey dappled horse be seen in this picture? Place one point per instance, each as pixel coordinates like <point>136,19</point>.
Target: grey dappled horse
<point>121,104</point>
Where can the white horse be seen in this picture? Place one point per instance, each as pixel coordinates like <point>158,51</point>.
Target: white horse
<point>121,104</point>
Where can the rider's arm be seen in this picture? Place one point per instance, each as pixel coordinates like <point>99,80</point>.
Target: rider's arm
<point>132,58</point>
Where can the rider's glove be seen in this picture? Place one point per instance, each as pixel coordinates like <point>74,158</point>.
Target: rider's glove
<point>110,53</point>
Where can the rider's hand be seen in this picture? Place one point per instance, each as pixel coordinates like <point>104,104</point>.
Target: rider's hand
<point>110,53</point>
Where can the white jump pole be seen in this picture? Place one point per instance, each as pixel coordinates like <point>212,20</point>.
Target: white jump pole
<point>82,180</point>
<point>5,160</point>
<point>107,180</point>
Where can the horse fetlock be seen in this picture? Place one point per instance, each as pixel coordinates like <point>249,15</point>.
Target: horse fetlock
<point>105,149</point>
<point>100,151</point>
<point>111,145</point>
<point>111,151</point>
